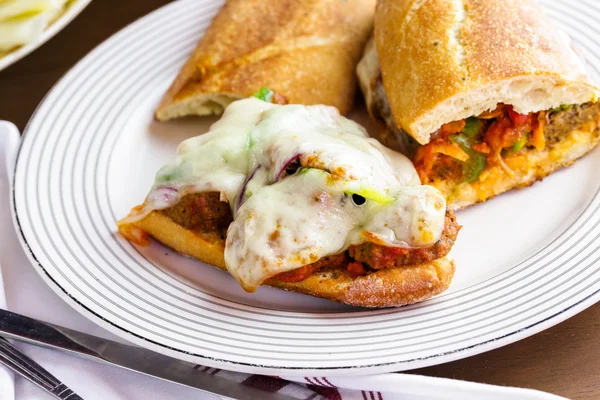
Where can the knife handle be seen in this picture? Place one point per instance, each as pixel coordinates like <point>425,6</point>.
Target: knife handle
<point>27,329</point>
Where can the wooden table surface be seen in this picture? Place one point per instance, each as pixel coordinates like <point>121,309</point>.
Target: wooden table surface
<point>564,360</point>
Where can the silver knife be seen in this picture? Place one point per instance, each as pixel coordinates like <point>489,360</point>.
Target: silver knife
<point>19,327</point>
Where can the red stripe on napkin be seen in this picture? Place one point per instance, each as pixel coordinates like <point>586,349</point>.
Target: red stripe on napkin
<point>329,393</point>
<point>319,382</point>
<point>327,381</point>
<point>319,386</point>
<point>265,382</point>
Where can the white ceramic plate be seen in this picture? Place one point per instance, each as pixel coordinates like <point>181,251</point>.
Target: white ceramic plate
<point>69,15</point>
<point>525,260</point>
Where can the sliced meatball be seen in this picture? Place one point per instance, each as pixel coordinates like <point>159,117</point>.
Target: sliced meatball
<point>382,257</point>
<point>201,211</point>
<point>563,122</point>
<point>207,213</point>
<point>297,275</point>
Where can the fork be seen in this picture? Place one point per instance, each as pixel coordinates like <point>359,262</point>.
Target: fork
<point>14,359</point>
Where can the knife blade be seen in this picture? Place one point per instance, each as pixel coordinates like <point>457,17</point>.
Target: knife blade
<point>29,330</point>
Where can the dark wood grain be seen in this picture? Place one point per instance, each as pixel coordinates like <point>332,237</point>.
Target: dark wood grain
<point>564,360</point>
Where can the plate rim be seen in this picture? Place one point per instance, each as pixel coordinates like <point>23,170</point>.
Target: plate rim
<point>52,30</point>
<point>396,366</point>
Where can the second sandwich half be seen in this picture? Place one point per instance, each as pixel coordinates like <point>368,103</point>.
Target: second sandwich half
<point>489,98</point>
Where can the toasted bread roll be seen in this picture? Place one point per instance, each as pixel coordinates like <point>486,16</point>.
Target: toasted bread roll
<point>478,53</point>
<point>305,50</point>
<point>490,98</point>
<point>385,288</point>
<point>569,135</point>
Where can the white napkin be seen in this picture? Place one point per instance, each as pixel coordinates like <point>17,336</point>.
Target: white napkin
<point>26,293</point>
<point>7,387</point>
<point>8,142</point>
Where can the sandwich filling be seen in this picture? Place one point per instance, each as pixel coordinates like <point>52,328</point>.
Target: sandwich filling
<point>493,137</point>
<point>464,151</point>
<point>293,187</point>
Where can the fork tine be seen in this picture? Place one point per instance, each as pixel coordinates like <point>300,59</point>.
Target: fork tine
<point>14,359</point>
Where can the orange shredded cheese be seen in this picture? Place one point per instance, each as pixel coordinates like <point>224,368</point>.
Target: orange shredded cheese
<point>426,156</point>
<point>537,136</point>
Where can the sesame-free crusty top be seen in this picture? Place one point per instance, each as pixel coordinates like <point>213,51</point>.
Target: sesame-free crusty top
<point>445,60</point>
<point>305,50</point>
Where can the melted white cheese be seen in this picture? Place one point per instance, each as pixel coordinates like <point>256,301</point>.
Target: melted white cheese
<point>282,222</point>
<point>287,225</point>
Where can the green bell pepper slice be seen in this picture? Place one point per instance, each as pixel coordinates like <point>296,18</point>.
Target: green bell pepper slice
<point>519,144</point>
<point>264,94</point>
<point>472,127</point>
<point>475,165</point>
<point>564,107</point>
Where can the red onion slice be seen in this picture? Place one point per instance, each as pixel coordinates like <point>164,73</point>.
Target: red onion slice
<point>163,197</point>
<point>290,163</point>
<point>242,196</point>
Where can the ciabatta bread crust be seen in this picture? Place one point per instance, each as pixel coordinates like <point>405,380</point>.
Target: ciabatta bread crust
<point>476,54</point>
<point>305,50</point>
<point>385,288</point>
<point>529,167</point>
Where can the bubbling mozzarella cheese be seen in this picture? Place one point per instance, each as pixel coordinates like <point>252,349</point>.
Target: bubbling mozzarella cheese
<point>284,217</point>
